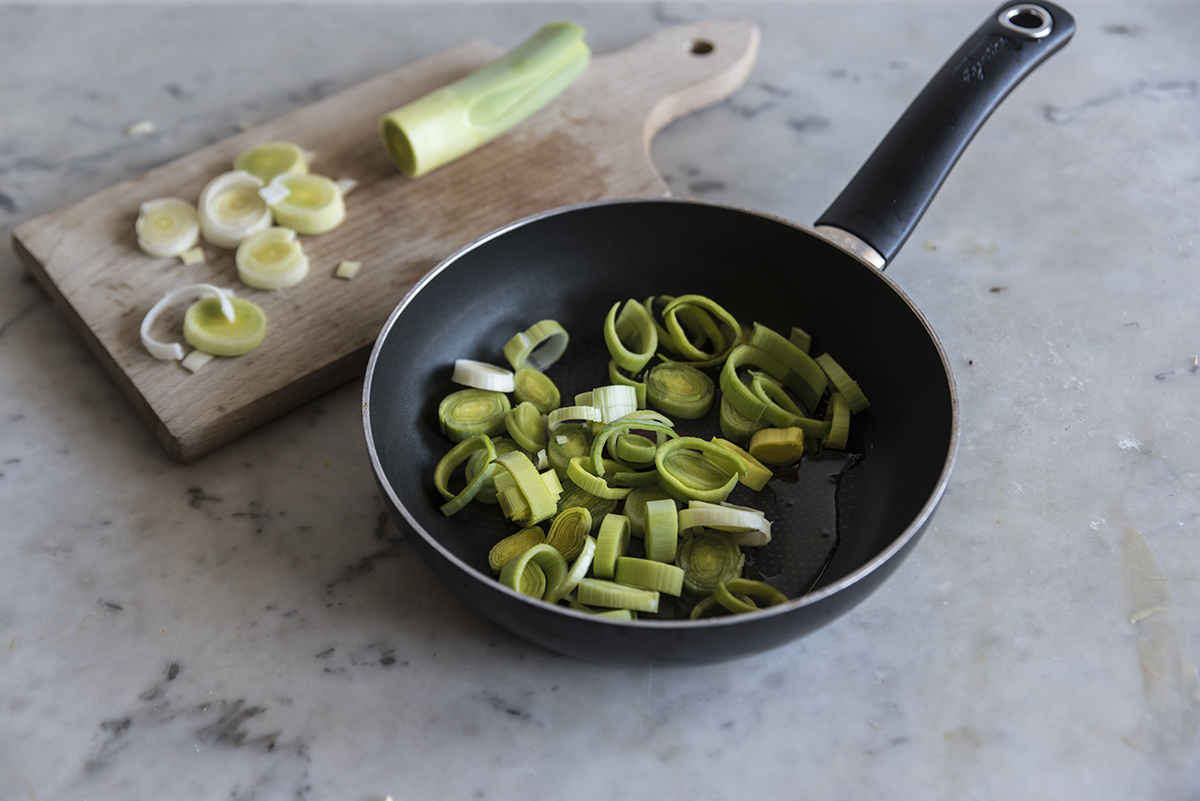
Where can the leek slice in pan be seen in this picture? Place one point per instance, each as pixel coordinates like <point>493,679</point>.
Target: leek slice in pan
<point>168,226</point>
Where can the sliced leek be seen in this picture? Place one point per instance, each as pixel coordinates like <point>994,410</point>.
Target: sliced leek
<point>801,339</point>
<point>468,412</point>
<point>577,472</point>
<point>726,594</point>
<point>614,401</point>
<point>662,530</point>
<point>271,259</point>
<point>174,351</point>
<point>455,457</point>
<point>708,558</point>
<point>610,594</point>
<point>569,531</point>
<point>635,326</point>
<point>778,445</point>
<point>694,469</point>
<point>480,462</point>
<point>635,506</point>
<point>781,411</point>
<point>269,159</point>
<point>804,376</point>
<point>551,563</point>
<point>482,375</point>
<point>611,543</point>
<point>565,443</point>
<point>527,578</point>
<point>207,328</point>
<point>513,546</point>
<point>598,508</point>
<point>679,390</point>
<point>634,449</point>
<point>757,474</point>
<point>567,584</point>
<point>526,426</point>
<point>838,413</point>
<point>650,575</point>
<point>230,209</point>
<point>539,346</point>
<point>168,226</point>
<point>573,414</point>
<point>306,203</point>
<point>723,341</point>
<point>454,120</point>
<point>530,485</point>
<point>617,377</point>
<point>844,383</point>
<point>534,386</point>
<point>735,425</point>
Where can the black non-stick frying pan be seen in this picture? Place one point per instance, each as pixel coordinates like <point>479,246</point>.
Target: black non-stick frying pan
<point>841,523</point>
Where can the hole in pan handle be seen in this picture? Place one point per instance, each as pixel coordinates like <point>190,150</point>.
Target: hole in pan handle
<point>886,198</point>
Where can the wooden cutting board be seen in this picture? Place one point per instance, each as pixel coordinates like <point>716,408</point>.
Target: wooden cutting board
<point>590,143</point>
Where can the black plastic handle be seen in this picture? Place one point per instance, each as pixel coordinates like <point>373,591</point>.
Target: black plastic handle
<point>883,203</point>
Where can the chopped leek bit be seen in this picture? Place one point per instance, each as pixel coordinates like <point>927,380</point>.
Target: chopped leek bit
<point>513,546</point>
<point>622,426</point>
<point>801,339</point>
<point>635,506</point>
<point>781,411</point>
<point>611,544</point>
<point>735,425</point>
<point>193,256</point>
<point>711,607</point>
<point>454,120</point>
<point>633,325</point>
<point>480,461</point>
<point>601,592</point>
<point>702,307</point>
<point>536,387</point>
<point>578,473</point>
<point>271,259</point>
<point>526,426</point>
<point>708,558</point>
<point>468,412</point>
<point>599,508</point>
<point>166,227</point>
<point>757,474</point>
<point>306,203</point>
<point>455,457</point>
<point>569,530</point>
<point>578,571</point>
<point>140,128</point>
<point>634,449</point>
<point>347,269</point>
<point>568,414</point>
<point>346,185</point>
<point>269,159</point>
<point>535,500</point>
<point>650,575</point>
<point>617,377</point>
<point>196,360</point>
<point>778,445</point>
<point>569,440</point>
<point>844,383</point>
<point>481,375</point>
<point>838,414</point>
<point>618,614</point>
<point>550,564</point>
<point>801,375</point>
<point>168,352</point>
<point>614,401</point>
<point>693,469</point>
<point>662,530</point>
<point>726,594</point>
<point>539,346</point>
<point>680,390</point>
<point>206,327</point>
<point>230,209</point>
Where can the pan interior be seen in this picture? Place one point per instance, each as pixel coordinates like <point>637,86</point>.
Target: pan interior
<point>830,517</point>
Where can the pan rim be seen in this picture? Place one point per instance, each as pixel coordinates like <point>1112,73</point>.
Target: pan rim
<point>854,577</point>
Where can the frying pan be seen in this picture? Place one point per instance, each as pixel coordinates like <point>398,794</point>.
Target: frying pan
<point>841,524</point>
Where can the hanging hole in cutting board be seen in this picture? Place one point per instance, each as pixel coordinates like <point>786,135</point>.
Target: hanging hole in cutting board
<point>702,47</point>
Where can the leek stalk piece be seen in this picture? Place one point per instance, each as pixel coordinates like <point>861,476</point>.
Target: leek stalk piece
<point>269,159</point>
<point>271,259</point>
<point>617,377</point>
<point>635,506</point>
<point>598,508</point>
<point>534,386</point>
<point>174,351</point>
<point>230,209</point>
<point>569,531</point>
<point>526,426</point>
<point>693,469</point>
<point>207,328</point>
<point>578,473</point>
<point>570,414</point>
<point>844,383</point>
<point>650,575</point>
<point>722,342</point>
<point>634,449</point>
<point>458,118</point>
<point>529,484</point>
<point>482,375</point>
<point>539,346</point>
<point>801,339</point>
<point>726,594</point>
<point>778,445</point>
<point>838,413</point>
<point>622,426</point>
<point>757,474</point>
<point>707,559</point>
<point>711,607</point>
<point>549,562</point>
<point>662,530</point>
<point>565,443</point>
<point>480,443</point>
<point>635,326</point>
<point>610,594</point>
<point>480,462</point>
<point>468,412</point>
<point>306,203</point>
<point>168,226</point>
<point>614,401</point>
<point>513,546</point>
<point>680,390</point>
<point>611,544</point>
<point>735,425</point>
<point>576,574</point>
<point>804,376</point>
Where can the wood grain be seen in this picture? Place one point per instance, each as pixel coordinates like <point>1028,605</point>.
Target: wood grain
<point>590,143</point>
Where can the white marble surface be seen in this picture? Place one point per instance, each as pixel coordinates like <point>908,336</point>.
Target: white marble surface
<point>252,626</point>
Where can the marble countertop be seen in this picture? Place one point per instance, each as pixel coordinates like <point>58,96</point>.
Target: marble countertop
<point>253,626</point>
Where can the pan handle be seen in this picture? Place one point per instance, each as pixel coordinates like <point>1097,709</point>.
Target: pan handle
<point>881,205</point>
